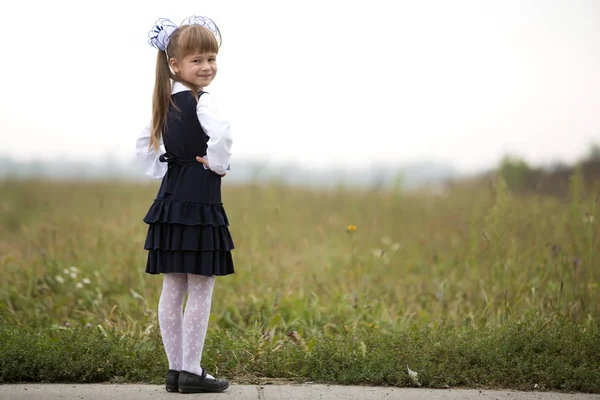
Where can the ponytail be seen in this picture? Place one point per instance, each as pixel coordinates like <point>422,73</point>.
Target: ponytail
<point>161,99</point>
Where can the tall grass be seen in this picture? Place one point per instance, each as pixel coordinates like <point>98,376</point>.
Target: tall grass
<point>71,254</point>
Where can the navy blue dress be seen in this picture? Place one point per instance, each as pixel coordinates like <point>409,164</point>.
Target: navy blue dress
<point>188,229</point>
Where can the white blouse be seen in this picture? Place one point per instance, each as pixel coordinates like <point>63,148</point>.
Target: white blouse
<point>215,126</point>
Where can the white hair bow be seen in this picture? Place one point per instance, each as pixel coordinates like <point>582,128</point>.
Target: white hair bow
<point>162,30</point>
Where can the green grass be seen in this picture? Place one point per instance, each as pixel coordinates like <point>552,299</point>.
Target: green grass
<point>552,354</point>
<point>473,287</point>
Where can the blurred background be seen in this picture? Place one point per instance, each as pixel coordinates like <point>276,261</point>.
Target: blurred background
<point>318,93</point>
<point>458,143</point>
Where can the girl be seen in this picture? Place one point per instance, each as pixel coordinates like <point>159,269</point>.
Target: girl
<point>188,237</point>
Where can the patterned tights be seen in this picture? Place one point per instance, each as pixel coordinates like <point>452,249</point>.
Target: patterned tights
<point>183,333</point>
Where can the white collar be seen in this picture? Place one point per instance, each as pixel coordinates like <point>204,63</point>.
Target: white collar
<point>178,87</point>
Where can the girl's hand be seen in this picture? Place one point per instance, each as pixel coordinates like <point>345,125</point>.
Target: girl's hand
<point>205,162</point>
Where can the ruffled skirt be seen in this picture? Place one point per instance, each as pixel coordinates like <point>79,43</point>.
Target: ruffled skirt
<point>188,236</point>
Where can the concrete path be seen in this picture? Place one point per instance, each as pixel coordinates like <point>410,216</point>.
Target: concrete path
<point>268,392</point>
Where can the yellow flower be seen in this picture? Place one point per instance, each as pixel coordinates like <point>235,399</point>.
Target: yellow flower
<point>351,228</point>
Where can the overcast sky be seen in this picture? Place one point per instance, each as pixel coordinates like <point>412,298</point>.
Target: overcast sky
<point>318,83</point>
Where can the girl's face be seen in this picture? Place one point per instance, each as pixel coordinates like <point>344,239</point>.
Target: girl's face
<point>196,69</point>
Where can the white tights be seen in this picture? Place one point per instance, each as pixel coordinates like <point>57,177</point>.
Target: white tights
<point>183,333</point>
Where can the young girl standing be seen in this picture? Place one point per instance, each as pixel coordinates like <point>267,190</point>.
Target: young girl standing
<point>188,238</point>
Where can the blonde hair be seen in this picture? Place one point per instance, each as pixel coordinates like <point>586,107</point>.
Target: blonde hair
<point>186,40</point>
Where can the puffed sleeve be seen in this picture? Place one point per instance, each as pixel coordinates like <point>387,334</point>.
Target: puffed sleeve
<point>147,157</point>
<point>216,126</point>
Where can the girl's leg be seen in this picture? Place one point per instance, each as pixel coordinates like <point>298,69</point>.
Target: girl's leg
<point>170,317</point>
<point>195,321</point>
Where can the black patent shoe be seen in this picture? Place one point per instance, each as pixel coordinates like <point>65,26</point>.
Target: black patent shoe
<point>172,380</point>
<point>192,383</point>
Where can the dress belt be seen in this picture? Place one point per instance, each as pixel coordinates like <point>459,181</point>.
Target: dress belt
<point>174,161</point>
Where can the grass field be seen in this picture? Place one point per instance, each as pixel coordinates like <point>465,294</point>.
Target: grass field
<point>476,286</point>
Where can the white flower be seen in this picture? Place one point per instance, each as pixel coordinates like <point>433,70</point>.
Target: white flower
<point>79,285</point>
<point>86,281</point>
<point>73,269</point>
<point>386,240</point>
<point>378,253</point>
<point>59,279</point>
<point>66,271</point>
<point>73,275</point>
